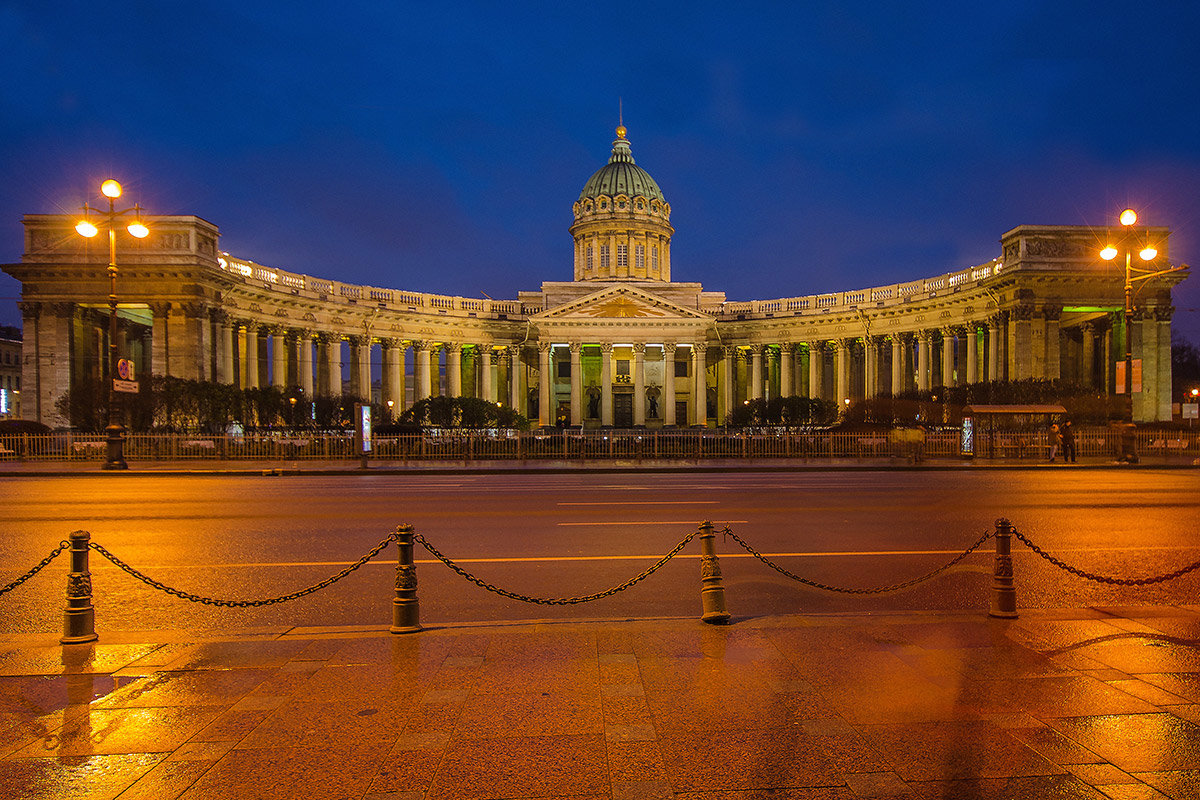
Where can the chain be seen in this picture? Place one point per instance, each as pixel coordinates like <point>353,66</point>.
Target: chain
<point>37,568</point>
<point>553,601</point>
<point>1091,576</point>
<point>876,590</point>
<point>211,601</point>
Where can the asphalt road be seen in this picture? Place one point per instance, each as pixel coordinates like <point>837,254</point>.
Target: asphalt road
<point>575,534</point>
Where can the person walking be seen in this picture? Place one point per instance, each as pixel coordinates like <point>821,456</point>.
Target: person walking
<point>1068,443</point>
<point>1056,440</point>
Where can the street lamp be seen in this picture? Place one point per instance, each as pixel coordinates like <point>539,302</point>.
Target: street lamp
<point>115,432</point>
<point>1133,275</point>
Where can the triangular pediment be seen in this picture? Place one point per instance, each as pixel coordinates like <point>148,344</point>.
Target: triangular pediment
<point>620,302</point>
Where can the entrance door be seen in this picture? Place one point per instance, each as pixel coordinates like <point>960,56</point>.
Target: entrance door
<point>622,410</point>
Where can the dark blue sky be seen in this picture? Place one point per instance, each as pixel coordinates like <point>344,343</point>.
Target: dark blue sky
<point>804,147</point>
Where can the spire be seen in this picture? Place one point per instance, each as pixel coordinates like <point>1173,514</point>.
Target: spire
<point>621,152</point>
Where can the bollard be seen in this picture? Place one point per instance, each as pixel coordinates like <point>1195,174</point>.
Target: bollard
<point>1004,596</point>
<point>406,609</point>
<point>712,591</point>
<point>79,617</point>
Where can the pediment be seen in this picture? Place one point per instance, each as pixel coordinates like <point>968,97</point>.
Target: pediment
<point>620,302</point>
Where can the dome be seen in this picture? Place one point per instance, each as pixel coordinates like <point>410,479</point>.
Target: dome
<point>621,176</point>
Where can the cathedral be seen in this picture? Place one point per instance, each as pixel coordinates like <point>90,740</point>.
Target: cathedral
<point>620,345</point>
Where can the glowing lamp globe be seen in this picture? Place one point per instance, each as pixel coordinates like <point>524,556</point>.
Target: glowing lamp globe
<point>111,188</point>
<point>1128,217</point>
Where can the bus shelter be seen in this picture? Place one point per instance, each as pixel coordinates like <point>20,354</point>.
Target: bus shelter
<point>1007,431</point>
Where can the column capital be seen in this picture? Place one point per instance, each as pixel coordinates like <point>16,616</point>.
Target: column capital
<point>639,348</point>
<point>326,338</point>
<point>755,349</point>
<point>574,347</point>
<point>1052,312</point>
<point>668,348</point>
<point>421,346</point>
<point>160,308</point>
<point>390,342</point>
<point>729,351</point>
<point>358,339</point>
<point>543,347</point>
<point>1163,313</point>
<point>606,348</point>
<point>250,325</point>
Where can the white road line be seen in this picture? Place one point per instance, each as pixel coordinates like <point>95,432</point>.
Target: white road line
<point>546,559</point>
<point>646,503</point>
<point>652,522</point>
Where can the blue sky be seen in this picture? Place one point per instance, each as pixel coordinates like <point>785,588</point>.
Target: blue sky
<point>804,147</point>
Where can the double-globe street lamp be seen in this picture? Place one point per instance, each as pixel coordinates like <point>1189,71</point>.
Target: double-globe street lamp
<point>115,432</point>
<point>1147,254</point>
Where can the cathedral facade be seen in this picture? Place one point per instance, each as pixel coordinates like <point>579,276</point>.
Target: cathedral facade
<point>620,345</point>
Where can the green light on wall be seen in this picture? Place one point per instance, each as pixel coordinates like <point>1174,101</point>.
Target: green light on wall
<point>1089,309</point>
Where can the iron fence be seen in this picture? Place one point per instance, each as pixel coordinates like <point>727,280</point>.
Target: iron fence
<point>572,444</point>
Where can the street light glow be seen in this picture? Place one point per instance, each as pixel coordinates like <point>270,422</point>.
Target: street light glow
<point>1108,253</point>
<point>111,188</point>
<point>1148,253</point>
<point>1128,217</point>
<point>138,230</point>
<point>85,228</point>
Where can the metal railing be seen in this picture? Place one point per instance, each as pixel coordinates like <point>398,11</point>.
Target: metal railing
<point>687,443</point>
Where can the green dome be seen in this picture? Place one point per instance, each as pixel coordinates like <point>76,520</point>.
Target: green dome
<point>621,176</point>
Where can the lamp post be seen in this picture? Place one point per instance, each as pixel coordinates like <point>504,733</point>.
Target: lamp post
<point>115,432</point>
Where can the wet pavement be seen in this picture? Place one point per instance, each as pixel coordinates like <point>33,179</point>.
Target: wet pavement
<point>1081,703</point>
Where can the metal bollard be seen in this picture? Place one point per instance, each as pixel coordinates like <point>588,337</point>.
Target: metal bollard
<point>712,591</point>
<point>1004,596</point>
<point>79,617</point>
<point>406,609</point>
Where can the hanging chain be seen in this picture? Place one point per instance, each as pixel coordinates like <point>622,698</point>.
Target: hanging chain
<point>212,601</point>
<point>553,601</point>
<point>55,553</point>
<point>1091,576</point>
<point>842,590</point>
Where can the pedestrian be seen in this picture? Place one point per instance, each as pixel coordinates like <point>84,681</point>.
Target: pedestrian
<point>1056,440</point>
<point>1068,442</point>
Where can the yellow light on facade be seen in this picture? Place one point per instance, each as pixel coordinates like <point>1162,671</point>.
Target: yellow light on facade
<point>1128,217</point>
<point>1148,252</point>
<point>111,188</point>
<point>138,229</point>
<point>85,228</point>
<point>1108,253</point>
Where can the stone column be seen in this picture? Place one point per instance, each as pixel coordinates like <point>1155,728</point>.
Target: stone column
<point>251,378</point>
<point>729,356</point>
<point>333,369</point>
<point>545,381</point>
<point>424,380</point>
<point>361,367</point>
<point>486,385</point>
<point>700,385</point>
<point>226,361</point>
<point>1162,397</point>
<point>972,354</point>
<point>756,372</point>
<point>924,378</point>
<point>304,340</point>
<point>1088,357</point>
<point>841,364</point>
<point>816,369</point>
<point>993,354</point>
<point>1053,357</point>
<point>576,383</point>
<point>947,357</point>
<point>897,365</point>
<point>1020,343</point>
<point>606,384</point>
<point>514,377</point>
<point>454,369</point>
<point>786,370</point>
<point>668,350</point>
<point>639,384</point>
<point>279,357</point>
<point>393,375</point>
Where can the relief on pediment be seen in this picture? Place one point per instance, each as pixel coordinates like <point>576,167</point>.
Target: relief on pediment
<point>622,303</point>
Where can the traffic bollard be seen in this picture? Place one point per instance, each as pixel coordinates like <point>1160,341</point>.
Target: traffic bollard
<point>712,590</point>
<point>79,617</point>
<point>406,609</point>
<point>1004,596</point>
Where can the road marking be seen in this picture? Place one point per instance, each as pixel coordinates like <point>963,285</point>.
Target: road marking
<point>104,565</point>
<point>647,503</point>
<point>655,522</point>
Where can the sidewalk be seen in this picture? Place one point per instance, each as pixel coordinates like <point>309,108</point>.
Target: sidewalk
<point>480,466</point>
<point>1086,703</point>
